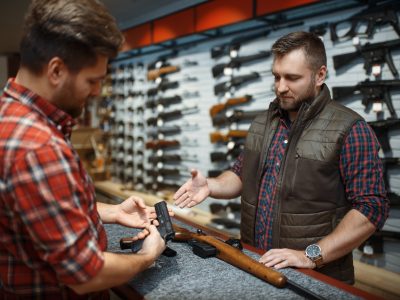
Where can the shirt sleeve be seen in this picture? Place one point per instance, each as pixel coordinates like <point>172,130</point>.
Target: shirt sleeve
<point>50,199</point>
<point>362,174</point>
<point>237,166</point>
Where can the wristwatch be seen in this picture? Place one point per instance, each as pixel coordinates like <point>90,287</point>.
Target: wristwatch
<point>313,252</point>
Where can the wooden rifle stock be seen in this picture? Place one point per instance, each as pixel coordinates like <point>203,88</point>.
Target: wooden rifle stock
<point>233,256</point>
<point>161,144</point>
<point>155,73</point>
<point>216,136</point>
<point>217,108</point>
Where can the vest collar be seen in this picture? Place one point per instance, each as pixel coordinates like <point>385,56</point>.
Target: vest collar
<point>309,109</point>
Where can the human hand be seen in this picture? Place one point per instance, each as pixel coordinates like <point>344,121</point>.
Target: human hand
<point>283,258</point>
<point>153,244</point>
<point>194,191</point>
<point>134,213</point>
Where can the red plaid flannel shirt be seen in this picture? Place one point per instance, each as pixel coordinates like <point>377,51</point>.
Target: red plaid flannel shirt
<point>50,232</point>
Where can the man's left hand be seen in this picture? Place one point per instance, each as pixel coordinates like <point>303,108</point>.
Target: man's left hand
<point>134,213</point>
<point>283,258</point>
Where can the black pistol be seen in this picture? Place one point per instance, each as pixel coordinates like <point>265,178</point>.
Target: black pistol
<point>165,229</point>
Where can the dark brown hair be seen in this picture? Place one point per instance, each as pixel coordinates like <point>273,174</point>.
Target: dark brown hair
<point>310,43</point>
<point>74,30</point>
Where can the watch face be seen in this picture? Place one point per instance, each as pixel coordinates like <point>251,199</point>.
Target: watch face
<point>313,251</point>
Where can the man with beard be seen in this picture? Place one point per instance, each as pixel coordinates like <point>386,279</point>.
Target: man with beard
<point>52,239</point>
<point>309,177</point>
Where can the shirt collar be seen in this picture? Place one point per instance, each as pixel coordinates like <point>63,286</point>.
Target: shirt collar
<point>60,119</point>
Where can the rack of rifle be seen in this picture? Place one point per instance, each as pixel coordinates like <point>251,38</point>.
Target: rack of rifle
<point>166,128</point>
<point>375,94</point>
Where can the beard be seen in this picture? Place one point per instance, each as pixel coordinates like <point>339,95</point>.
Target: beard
<point>66,99</point>
<point>291,102</point>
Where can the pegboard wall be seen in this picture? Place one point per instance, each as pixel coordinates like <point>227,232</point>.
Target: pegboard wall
<point>159,131</point>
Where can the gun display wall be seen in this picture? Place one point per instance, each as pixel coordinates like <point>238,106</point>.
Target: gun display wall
<point>190,107</point>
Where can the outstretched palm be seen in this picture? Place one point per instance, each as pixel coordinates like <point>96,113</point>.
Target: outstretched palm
<point>194,191</point>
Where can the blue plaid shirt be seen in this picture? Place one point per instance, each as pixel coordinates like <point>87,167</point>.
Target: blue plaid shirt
<point>360,169</point>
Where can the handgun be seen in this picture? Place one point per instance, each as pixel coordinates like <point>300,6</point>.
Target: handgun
<point>165,229</point>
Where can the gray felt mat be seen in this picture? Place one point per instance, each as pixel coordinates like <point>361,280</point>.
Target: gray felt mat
<point>187,276</point>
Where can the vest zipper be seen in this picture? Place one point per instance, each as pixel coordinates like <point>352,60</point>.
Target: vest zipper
<point>294,136</point>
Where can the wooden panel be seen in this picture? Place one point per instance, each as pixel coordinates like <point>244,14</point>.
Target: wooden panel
<point>379,280</point>
<point>266,7</point>
<point>222,12</point>
<point>174,26</point>
<point>137,37</point>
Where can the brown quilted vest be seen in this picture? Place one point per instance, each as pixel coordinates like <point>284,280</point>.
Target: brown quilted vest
<point>310,198</point>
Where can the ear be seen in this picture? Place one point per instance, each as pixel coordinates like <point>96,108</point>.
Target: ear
<point>320,76</point>
<point>56,71</point>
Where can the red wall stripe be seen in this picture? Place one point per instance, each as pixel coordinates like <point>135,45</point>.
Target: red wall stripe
<point>138,36</point>
<point>271,6</point>
<point>173,26</point>
<point>218,13</point>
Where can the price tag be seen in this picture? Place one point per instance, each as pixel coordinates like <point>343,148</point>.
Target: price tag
<point>228,71</point>
<point>356,41</point>
<point>233,53</point>
<point>160,108</point>
<point>376,70</point>
<point>377,107</point>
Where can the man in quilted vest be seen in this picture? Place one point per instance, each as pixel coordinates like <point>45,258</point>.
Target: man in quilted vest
<point>310,178</point>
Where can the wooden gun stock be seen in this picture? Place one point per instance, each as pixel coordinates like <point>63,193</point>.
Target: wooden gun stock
<point>217,108</point>
<point>155,73</point>
<point>161,144</point>
<point>233,256</point>
<point>216,136</point>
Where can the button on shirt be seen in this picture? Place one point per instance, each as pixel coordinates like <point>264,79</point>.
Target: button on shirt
<point>366,193</point>
<point>50,232</point>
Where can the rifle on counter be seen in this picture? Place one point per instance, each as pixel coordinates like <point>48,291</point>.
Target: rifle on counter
<point>235,116</point>
<point>230,252</point>
<point>373,54</point>
<point>217,108</point>
<point>371,91</point>
<point>171,115</point>
<point>218,137</point>
<point>234,82</point>
<point>162,87</point>
<point>235,44</point>
<point>236,62</point>
<point>373,16</point>
<point>156,73</point>
<point>381,129</point>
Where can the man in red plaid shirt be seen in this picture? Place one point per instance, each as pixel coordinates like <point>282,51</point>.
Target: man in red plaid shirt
<point>52,240</point>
